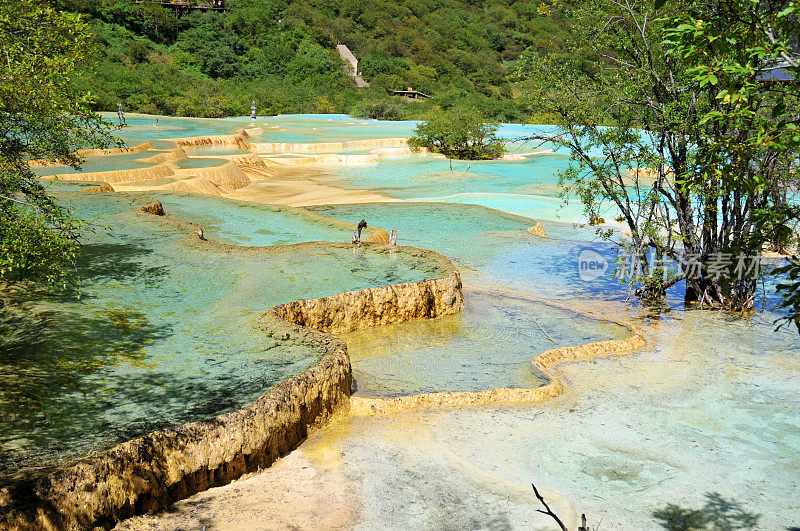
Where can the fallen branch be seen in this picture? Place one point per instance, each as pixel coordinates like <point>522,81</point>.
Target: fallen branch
<point>548,511</point>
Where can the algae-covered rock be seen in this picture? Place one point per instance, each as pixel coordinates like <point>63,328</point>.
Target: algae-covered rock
<point>157,209</point>
<point>345,312</point>
<point>379,236</point>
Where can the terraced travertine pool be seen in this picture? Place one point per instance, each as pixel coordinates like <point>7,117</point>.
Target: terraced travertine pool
<point>162,332</point>
<point>488,345</point>
<point>165,332</point>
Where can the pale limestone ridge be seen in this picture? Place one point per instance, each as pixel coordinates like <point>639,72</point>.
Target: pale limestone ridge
<point>152,173</point>
<point>327,147</point>
<point>352,71</point>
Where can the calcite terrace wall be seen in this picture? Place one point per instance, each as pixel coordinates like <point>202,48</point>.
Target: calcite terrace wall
<point>241,139</point>
<point>112,177</point>
<point>227,177</point>
<point>93,153</point>
<point>543,363</point>
<point>149,472</point>
<point>169,156</point>
<point>327,147</point>
<point>345,312</point>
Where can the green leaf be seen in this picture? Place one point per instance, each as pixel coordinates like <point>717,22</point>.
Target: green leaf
<point>779,109</point>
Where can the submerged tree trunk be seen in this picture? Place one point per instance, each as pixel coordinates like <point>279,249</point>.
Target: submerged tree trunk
<point>707,292</point>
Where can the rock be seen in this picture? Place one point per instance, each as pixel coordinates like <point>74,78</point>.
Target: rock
<point>538,230</point>
<point>157,209</point>
<point>379,236</point>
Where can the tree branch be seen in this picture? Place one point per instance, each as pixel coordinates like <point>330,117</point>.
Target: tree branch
<point>548,511</point>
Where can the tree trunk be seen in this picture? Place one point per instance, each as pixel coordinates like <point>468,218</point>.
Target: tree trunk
<point>707,292</point>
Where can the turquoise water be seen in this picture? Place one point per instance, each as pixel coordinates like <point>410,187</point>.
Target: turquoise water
<point>165,332</point>
<point>284,128</point>
<point>241,223</point>
<point>495,251</point>
<point>142,128</point>
<point>490,344</point>
<point>418,176</point>
<point>160,332</point>
<point>307,128</point>
<point>449,229</point>
<point>58,185</point>
<point>527,187</point>
<point>493,246</point>
<point>328,128</point>
<point>122,161</point>
<point>200,162</point>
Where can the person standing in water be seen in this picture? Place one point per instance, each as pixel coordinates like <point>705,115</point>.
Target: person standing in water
<point>357,233</point>
<point>253,111</point>
<point>121,115</point>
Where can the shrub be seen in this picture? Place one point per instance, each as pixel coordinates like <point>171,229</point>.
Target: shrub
<point>379,110</point>
<point>459,133</point>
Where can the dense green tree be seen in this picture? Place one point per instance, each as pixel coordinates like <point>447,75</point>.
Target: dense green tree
<point>42,116</point>
<point>681,88</point>
<point>436,47</point>
<point>458,133</point>
<point>379,110</point>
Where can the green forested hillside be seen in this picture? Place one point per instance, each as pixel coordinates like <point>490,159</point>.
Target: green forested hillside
<point>281,54</point>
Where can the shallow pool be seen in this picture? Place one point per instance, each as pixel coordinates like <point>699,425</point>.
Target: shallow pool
<point>165,332</point>
<point>162,331</point>
<point>493,247</point>
<point>122,161</point>
<point>490,344</point>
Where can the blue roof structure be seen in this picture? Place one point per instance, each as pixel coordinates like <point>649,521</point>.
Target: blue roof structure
<point>778,73</point>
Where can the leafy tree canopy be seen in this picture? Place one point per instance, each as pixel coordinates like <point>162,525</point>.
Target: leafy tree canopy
<point>701,152</point>
<point>281,53</point>
<point>42,116</point>
<point>458,133</point>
